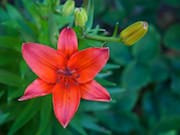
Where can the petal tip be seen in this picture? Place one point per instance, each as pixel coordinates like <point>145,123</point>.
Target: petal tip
<point>26,97</point>
<point>65,124</point>
<point>107,99</point>
<point>68,29</point>
<point>25,46</point>
<point>105,50</point>
<point>22,98</point>
<point>67,41</point>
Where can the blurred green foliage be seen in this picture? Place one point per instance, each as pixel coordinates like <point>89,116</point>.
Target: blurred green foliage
<point>143,80</point>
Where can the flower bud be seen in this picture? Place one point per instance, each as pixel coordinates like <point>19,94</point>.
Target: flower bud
<point>134,32</point>
<point>80,17</point>
<point>68,7</point>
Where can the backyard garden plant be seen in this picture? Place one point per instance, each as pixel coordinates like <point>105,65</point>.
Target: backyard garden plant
<point>66,73</point>
<point>89,67</point>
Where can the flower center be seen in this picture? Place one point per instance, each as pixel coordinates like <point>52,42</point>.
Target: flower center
<point>67,76</point>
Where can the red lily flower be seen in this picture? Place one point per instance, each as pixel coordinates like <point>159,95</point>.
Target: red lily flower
<point>65,73</point>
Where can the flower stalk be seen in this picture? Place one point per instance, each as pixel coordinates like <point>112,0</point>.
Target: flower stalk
<point>128,36</point>
<point>103,38</point>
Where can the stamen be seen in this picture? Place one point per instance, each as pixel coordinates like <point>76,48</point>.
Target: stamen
<point>67,76</point>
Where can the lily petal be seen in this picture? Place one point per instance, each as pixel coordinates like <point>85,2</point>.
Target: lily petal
<point>66,101</point>
<point>43,60</point>
<point>67,42</point>
<point>36,89</point>
<point>94,91</point>
<point>88,63</point>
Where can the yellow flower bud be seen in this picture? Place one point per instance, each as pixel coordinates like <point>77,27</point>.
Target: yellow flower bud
<point>80,17</point>
<point>68,7</point>
<point>134,32</point>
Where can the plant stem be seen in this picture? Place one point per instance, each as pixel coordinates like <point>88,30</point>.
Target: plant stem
<point>103,38</point>
<point>115,29</point>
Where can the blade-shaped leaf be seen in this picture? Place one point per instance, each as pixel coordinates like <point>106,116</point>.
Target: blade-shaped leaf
<point>90,12</point>
<point>89,123</point>
<point>24,116</point>
<point>45,116</point>
<point>75,123</point>
<point>9,78</point>
<point>135,76</point>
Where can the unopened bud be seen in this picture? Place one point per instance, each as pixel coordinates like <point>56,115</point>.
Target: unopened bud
<point>134,32</point>
<point>80,17</point>
<point>68,7</point>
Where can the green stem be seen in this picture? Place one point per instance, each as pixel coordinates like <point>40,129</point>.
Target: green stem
<point>103,38</point>
<point>115,29</point>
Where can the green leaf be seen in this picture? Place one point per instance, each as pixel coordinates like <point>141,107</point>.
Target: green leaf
<point>101,7</point>
<point>53,29</point>
<point>9,78</point>
<point>105,82</point>
<point>167,124</point>
<point>9,31</point>
<point>10,42</point>
<point>45,116</point>
<point>172,37</point>
<point>75,123</point>
<point>171,132</point>
<point>9,57</point>
<point>112,16</point>
<point>93,106</point>
<point>104,74</point>
<point>84,43</point>
<point>14,93</point>
<point>175,64</point>
<point>168,101</point>
<point>30,7</point>
<point>116,91</point>
<point>24,116</point>
<point>175,3</point>
<point>175,84</point>
<point>23,26</point>
<point>159,70</point>
<point>13,13</point>
<point>90,13</point>
<point>148,47</point>
<point>135,76</point>
<point>90,123</point>
<point>126,100</point>
<point>111,66</point>
<point>150,108</point>
<point>120,53</point>
<point>121,122</point>
<point>3,117</point>
<point>59,130</point>
<point>4,15</point>
<point>63,20</point>
<point>1,93</point>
